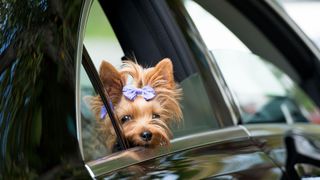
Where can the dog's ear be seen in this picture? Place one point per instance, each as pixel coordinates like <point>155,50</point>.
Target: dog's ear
<point>112,80</point>
<point>163,71</point>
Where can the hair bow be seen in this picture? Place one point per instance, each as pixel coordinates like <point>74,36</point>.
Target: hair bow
<point>104,111</point>
<point>131,92</point>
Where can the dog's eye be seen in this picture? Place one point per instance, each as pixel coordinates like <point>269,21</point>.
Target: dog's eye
<point>155,116</point>
<point>126,118</point>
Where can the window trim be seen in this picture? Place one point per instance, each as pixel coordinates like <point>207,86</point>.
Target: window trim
<point>116,161</point>
<point>98,86</point>
<point>81,31</point>
<point>83,58</point>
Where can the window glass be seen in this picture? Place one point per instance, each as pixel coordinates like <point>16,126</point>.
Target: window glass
<point>306,14</point>
<point>196,108</point>
<point>264,93</point>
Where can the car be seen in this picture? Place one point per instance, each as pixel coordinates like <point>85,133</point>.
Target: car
<point>250,81</point>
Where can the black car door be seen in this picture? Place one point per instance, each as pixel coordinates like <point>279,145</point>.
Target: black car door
<point>272,70</point>
<point>209,143</point>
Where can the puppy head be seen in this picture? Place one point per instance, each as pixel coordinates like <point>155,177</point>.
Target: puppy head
<point>144,122</point>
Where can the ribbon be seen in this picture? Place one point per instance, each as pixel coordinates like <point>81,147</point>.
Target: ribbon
<point>131,92</point>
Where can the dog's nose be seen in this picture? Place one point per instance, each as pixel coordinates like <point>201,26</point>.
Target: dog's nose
<point>146,135</point>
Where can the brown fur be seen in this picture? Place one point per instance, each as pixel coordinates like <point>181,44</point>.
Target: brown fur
<point>165,103</point>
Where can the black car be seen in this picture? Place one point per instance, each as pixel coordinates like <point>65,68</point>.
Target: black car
<point>250,80</point>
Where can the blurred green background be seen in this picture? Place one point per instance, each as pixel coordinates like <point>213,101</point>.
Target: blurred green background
<point>100,39</point>
<point>98,24</point>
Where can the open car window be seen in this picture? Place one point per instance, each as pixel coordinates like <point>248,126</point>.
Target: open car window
<point>101,45</point>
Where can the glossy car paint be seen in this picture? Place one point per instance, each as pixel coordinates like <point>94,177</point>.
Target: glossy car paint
<point>222,153</point>
<point>270,139</point>
<point>38,137</point>
<point>37,88</point>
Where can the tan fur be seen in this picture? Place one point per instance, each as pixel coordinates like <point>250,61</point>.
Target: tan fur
<point>165,104</point>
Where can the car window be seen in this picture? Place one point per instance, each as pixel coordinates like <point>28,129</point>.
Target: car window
<point>305,14</point>
<point>264,92</point>
<point>102,45</point>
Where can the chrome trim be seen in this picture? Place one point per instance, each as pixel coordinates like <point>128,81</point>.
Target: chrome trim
<point>246,130</point>
<point>283,14</point>
<point>286,112</point>
<point>280,129</point>
<point>89,170</point>
<point>136,155</point>
<point>81,31</point>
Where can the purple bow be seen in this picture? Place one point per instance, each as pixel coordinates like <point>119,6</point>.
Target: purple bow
<point>104,112</point>
<point>131,92</point>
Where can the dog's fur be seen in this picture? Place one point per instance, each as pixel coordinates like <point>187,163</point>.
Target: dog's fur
<point>164,106</point>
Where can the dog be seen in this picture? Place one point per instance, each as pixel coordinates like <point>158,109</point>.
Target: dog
<point>145,102</point>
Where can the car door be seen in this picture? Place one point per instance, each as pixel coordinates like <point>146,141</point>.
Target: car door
<point>37,79</point>
<point>209,143</point>
<point>271,69</point>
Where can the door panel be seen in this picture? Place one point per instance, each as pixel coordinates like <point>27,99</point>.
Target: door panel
<point>233,159</point>
<point>218,154</point>
<point>270,138</point>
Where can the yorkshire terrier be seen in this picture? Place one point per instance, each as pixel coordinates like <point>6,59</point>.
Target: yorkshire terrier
<point>146,104</point>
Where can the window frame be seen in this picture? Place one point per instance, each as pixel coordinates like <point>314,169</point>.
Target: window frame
<point>79,53</point>
<point>220,109</point>
<point>83,59</point>
<point>98,86</point>
<point>179,50</point>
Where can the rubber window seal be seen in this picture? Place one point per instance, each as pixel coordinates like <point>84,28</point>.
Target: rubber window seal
<point>98,86</point>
